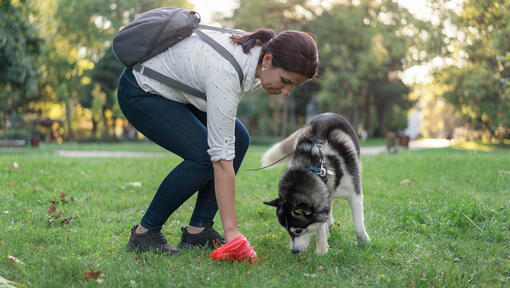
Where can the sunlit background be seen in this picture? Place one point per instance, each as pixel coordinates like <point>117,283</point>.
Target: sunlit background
<point>419,69</point>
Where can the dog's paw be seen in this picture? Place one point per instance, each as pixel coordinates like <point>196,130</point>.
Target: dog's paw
<point>322,250</point>
<point>363,239</point>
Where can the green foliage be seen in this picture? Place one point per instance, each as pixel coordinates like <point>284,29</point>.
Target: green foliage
<point>79,54</point>
<point>19,51</point>
<point>15,134</point>
<point>448,227</point>
<point>479,89</point>
<point>277,15</point>
<point>362,47</point>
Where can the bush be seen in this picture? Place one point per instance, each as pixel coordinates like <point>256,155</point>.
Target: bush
<point>16,134</point>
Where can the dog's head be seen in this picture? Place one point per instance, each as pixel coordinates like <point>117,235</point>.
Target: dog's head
<point>303,204</point>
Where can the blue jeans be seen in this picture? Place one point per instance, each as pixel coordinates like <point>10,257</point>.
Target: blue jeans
<point>181,129</point>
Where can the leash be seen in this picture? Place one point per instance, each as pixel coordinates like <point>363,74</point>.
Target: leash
<point>321,172</point>
<point>256,169</point>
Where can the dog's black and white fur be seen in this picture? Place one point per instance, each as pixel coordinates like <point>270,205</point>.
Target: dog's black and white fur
<point>308,187</point>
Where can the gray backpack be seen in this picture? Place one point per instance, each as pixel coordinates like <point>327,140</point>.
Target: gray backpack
<point>156,30</point>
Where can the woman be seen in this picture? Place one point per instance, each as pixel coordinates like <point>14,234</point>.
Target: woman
<point>206,133</point>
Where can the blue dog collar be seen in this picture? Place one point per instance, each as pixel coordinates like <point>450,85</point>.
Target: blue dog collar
<point>318,172</point>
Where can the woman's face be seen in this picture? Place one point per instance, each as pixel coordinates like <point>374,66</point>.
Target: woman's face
<point>275,80</point>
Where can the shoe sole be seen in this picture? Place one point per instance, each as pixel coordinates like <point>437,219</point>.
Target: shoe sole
<point>137,249</point>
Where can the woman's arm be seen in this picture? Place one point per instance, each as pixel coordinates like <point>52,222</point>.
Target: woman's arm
<point>224,186</point>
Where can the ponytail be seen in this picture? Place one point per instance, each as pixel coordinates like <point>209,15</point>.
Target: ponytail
<point>294,51</point>
<point>257,38</point>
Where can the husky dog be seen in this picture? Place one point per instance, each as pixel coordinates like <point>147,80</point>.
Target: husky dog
<point>325,165</point>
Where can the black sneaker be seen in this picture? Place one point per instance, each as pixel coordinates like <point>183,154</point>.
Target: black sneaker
<point>208,237</point>
<point>152,240</point>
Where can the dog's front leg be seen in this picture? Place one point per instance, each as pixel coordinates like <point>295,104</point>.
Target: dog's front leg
<point>322,239</point>
<point>356,203</point>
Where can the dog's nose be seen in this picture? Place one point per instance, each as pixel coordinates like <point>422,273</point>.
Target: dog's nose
<point>295,251</point>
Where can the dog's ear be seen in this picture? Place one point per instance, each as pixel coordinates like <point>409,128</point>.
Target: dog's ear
<point>274,202</point>
<point>321,216</point>
<point>302,209</point>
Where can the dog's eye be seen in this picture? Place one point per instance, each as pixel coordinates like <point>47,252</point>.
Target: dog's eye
<point>298,231</point>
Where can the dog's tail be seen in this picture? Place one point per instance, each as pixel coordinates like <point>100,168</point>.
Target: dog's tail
<point>280,150</point>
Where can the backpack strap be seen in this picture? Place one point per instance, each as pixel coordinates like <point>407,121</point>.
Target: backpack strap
<point>215,45</point>
<point>225,30</point>
<point>153,74</point>
<point>223,52</point>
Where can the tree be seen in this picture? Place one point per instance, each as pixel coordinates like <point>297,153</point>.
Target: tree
<point>363,47</point>
<point>268,115</point>
<point>476,86</point>
<point>78,33</point>
<point>19,51</point>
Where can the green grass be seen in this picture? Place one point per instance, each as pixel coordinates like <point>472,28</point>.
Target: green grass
<point>449,227</point>
<point>373,142</point>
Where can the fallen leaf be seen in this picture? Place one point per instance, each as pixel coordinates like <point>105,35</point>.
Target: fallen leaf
<point>135,184</point>
<point>52,209</point>
<point>67,220</point>
<point>216,243</point>
<point>14,165</point>
<point>3,243</point>
<point>5,212</point>
<point>413,283</point>
<point>62,195</point>
<point>15,260</point>
<point>442,277</point>
<point>37,189</point>
<point>406,181</point>
<point>503,172</point>
<point>11,183</point>
<point>338,224</point>
<point>320,268</point>
<point>310,275</point>
<point>91,274</point>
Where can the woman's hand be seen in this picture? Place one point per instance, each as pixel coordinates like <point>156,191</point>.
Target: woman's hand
<point>224,186</point>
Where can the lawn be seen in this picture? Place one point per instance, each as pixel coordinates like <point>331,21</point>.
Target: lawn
<point>448,226</point>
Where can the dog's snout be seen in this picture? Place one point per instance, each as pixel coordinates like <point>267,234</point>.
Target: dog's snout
<point>295,251</point>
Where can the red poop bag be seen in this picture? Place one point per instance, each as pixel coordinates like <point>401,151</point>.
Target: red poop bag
<point>237,249</point>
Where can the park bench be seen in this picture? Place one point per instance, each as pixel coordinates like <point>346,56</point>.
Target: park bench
<point>13,142</point>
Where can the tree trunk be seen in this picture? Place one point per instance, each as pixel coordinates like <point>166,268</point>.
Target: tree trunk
<point>94,127</point>
<point>355,112</point>
<point>381,123</point>
<point>368,115</point>
<point>3,120</point>
<point>70,135</point>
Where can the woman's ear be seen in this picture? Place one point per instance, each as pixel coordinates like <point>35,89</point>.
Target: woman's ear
<point>267,59</point>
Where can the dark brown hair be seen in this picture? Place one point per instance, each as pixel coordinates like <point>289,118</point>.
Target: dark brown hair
<point>293,51</point>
